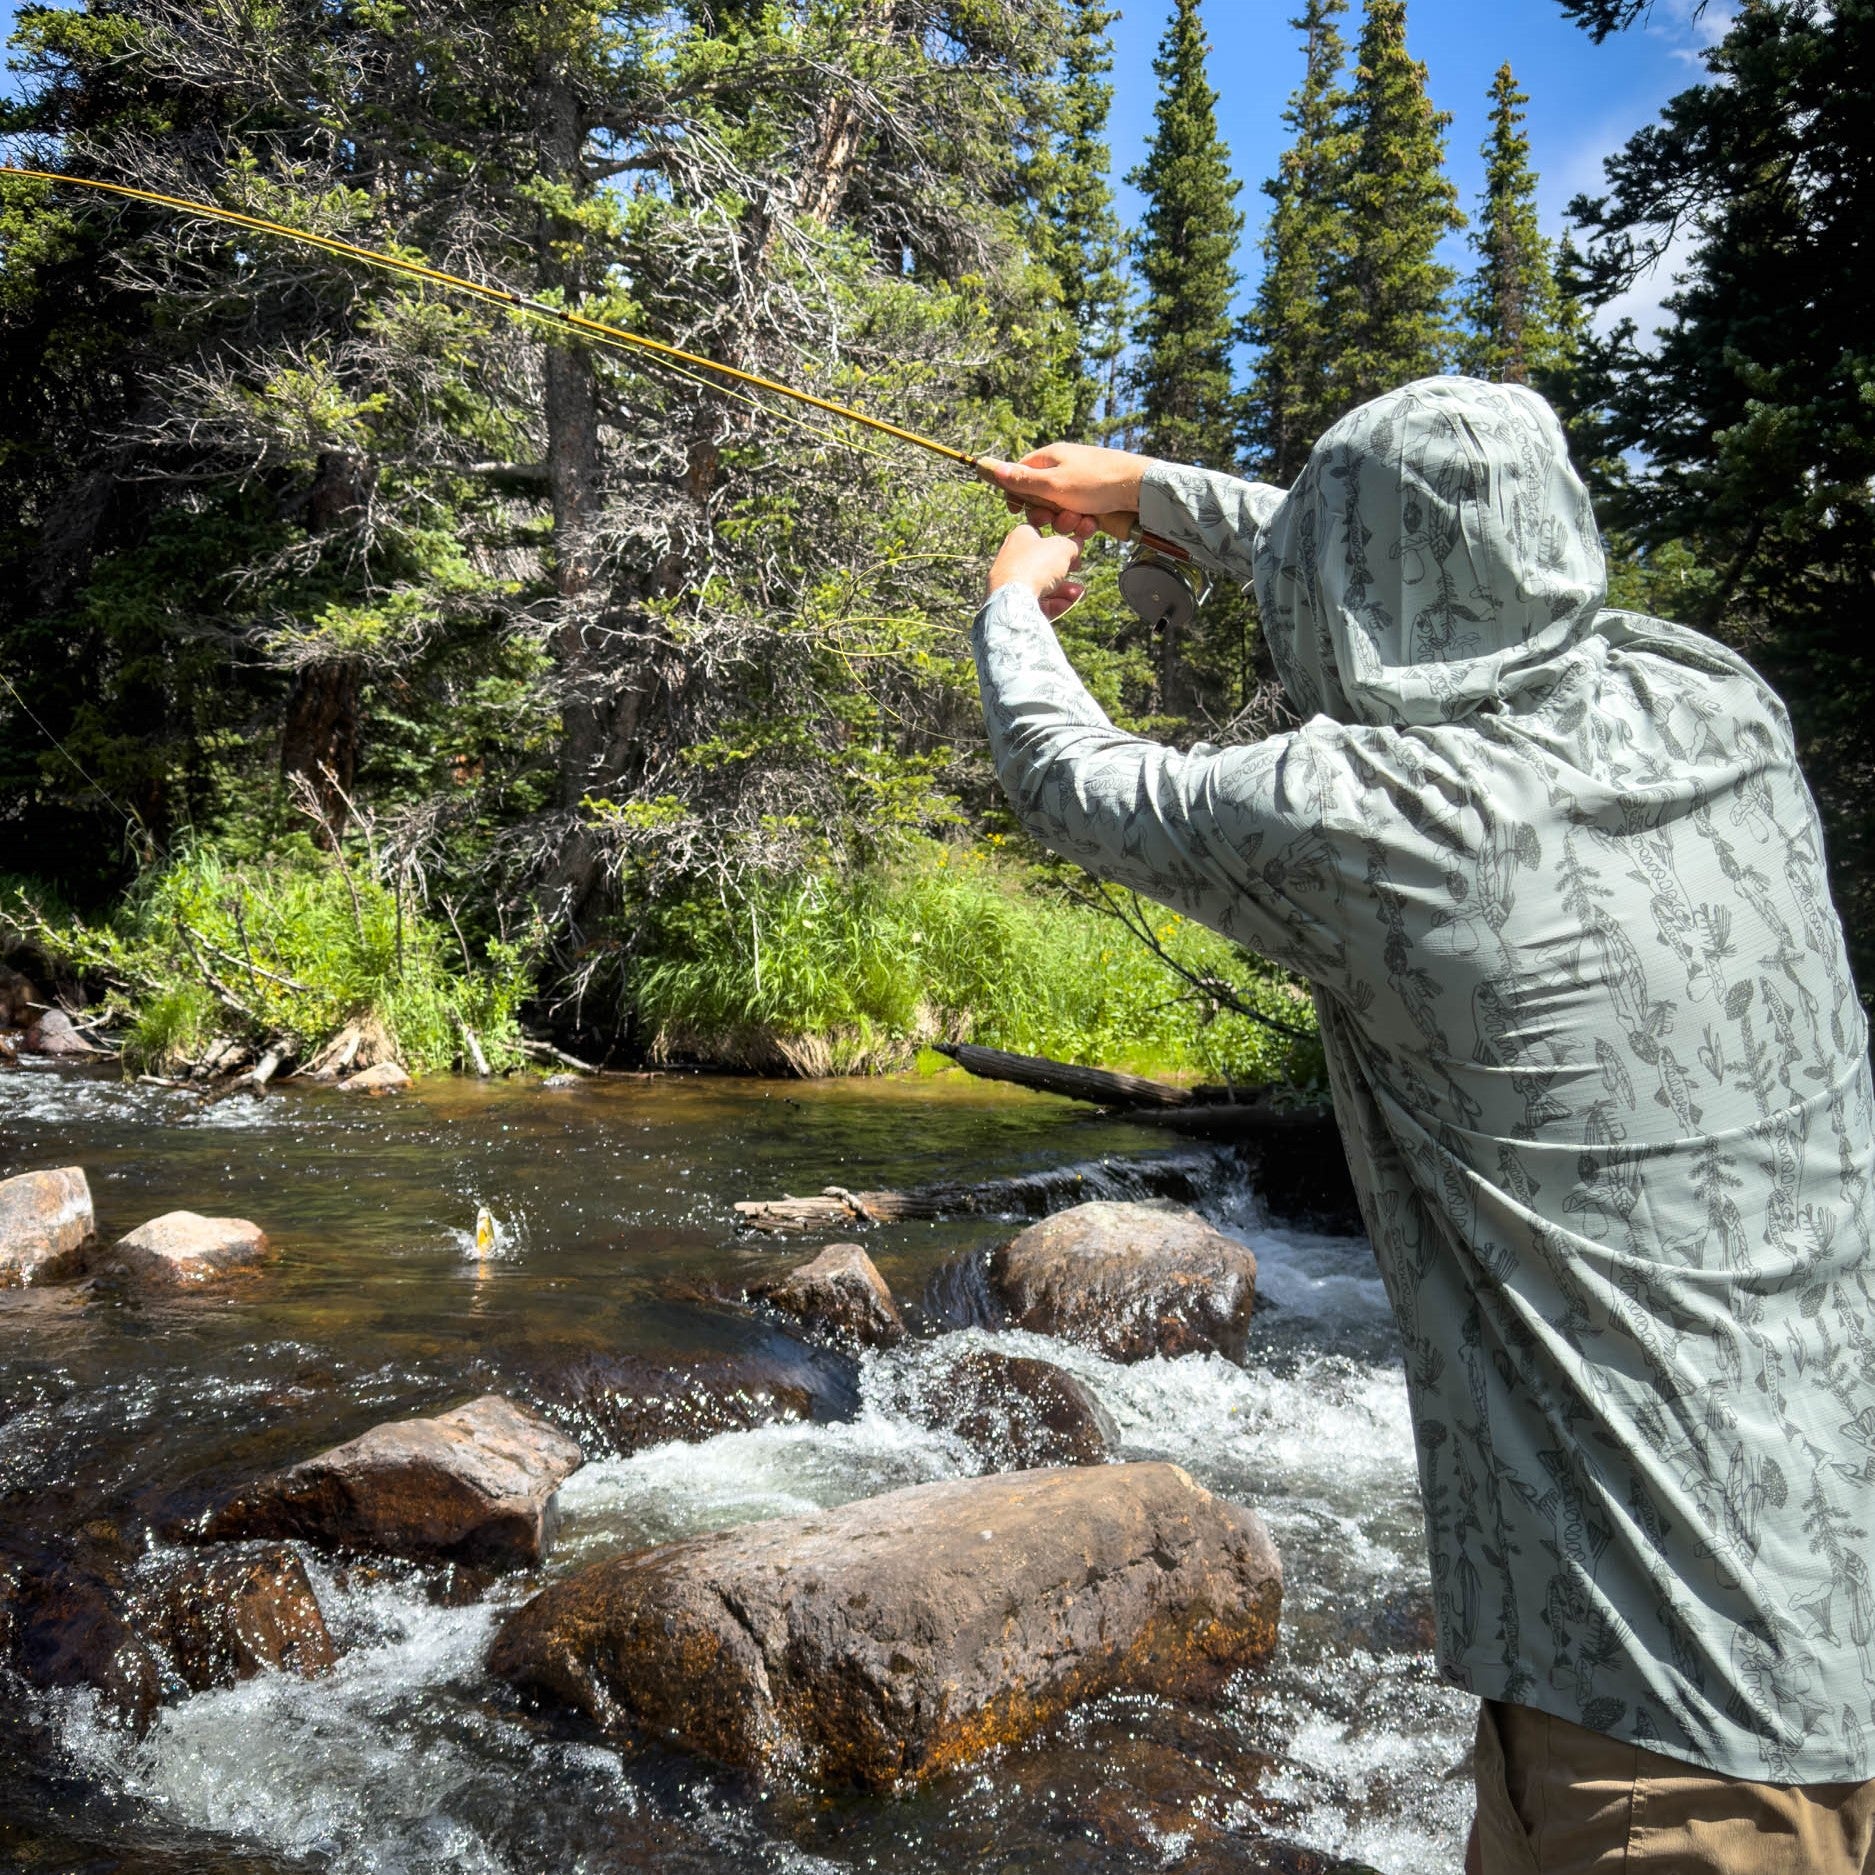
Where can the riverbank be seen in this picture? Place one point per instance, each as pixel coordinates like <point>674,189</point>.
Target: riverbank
<point>213,963</point>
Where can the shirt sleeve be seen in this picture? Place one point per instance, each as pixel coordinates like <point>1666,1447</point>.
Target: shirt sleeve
<point>1215,518</point>
<point>1246,840</point>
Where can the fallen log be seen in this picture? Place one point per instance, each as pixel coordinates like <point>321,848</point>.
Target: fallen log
<point>1183,1176</point>
<point>1102,1086</point>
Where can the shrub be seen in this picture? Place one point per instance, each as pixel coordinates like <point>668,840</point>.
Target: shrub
<point>856,971</point>
<point>298,943</point>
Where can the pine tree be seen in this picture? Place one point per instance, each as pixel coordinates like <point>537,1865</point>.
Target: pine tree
<point>1391,322</point>
<point>1291,399</point>
<point>1186,404</point>
<point>1078,236</point>
<point>1523,329</point>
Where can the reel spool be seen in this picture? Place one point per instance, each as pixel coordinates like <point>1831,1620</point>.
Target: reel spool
<point>1162,584</point>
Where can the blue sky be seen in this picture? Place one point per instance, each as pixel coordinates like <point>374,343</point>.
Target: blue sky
<point>1585,100</point>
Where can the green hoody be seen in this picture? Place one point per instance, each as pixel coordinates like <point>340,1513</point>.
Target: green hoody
<point>1596,1055</point>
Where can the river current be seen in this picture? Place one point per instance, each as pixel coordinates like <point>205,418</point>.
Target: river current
<point>613,1202</point>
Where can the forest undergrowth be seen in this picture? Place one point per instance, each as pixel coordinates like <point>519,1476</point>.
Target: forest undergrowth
<point>818,972</point>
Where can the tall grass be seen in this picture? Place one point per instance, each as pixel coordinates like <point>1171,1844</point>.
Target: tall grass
<point>856,972</point>
<point>298,944</point>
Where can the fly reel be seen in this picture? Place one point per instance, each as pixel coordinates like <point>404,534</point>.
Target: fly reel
<point>1161,584</point>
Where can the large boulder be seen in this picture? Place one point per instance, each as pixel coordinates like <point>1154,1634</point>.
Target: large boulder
<point>46,1226</point>
<point>1129,1280</point>
<point>839,1294</point>
<point>224,1615</point>
<point>477,1486</point>
<point>1014,1413</point>
<point>901,1636</point>
<point>54,1033</point>
<point>181,1250</point>
<point>620,1403</point>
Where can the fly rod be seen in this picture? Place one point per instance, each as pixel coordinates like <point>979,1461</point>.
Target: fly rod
<point>1159,581</point>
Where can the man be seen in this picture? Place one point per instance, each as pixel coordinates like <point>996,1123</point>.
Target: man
<point>1603,1081</point>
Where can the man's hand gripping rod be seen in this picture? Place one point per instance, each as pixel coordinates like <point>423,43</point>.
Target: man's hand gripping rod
<point>1159,580</point>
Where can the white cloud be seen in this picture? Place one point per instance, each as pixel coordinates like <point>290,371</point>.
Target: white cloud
<point>1692,28</point>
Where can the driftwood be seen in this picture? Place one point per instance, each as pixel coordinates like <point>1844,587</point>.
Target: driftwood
<point>473,1048</point>
<point>1185,1176</point>
<point>1202,1112</point>
<point>1100,1085</point>
<point>1292,1154</point>
<point>545,1051</point>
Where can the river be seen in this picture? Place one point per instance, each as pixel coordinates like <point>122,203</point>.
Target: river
<point>614,1204</point>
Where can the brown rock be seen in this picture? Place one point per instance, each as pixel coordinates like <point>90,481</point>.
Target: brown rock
<point>232,1613</point>
<point>841,1294</point>
<point>20,1003</point>
<point>476,1486</point>
<point>67,1629</point>
<point>1016,1414</point>
<point>899,1637</point>
<point>180,1249</point>
<point>387,1077</point>
<point>54,1034</point>
<point>46,1224</point>
<point>619,1404</point>
<point>1130,1280</point>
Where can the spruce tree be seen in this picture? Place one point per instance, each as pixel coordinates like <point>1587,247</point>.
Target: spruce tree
<point>1078,237</point>
<point>1522,328</point>
<point>1291,399</point>
<point>1391,322</point>
<point>1187,408</point>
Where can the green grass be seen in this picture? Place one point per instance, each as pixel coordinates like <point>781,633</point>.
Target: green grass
<point>820,973</point>
<point>293,944</point>
<point>857,972</point>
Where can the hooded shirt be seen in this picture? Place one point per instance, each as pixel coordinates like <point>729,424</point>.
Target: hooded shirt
<point>1598,1063</point>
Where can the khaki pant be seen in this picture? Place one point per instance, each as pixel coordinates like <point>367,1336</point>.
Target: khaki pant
<point>1554,1799</point>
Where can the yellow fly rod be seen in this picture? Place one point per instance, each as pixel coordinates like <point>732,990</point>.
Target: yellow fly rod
<point>1159,581</point>
<point>503,297</point>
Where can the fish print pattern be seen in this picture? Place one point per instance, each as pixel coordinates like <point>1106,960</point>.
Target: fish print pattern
<point>1598,1062</point>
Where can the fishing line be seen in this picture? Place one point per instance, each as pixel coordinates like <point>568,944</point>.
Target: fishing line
<point>130,819</point>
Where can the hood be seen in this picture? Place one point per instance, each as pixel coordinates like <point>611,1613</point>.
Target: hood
<point>1437,553</point>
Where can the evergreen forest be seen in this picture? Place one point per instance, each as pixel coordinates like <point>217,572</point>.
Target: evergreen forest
<point>370,656</point>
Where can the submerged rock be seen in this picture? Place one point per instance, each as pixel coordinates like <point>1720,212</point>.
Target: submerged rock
<point>387,1077</point>
<point>841,1294</point>
<point>476,1486</point>
<point>181,1249</point>
<point>229,1614</point>
<point>896,1638</point>
<point>1016,1414</point>
<point>46,1226</point>
<point>620,1403</point>
<point>54,1033</point>
<point>1129,1280</point>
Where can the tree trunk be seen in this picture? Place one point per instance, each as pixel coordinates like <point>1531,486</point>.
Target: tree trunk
<point>320,738</point>
<point>611,713</point>
<point>571,415</point>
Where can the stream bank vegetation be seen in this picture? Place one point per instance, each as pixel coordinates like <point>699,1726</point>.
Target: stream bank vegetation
<point>368,658</point>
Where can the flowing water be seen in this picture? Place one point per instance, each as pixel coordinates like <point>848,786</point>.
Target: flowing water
<point>615,1233</point>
